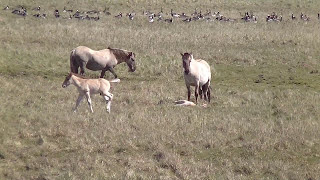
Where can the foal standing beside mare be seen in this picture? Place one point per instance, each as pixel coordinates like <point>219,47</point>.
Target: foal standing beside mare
<point>196,73</point>
<point>104,60</point>
<point>86,87</point>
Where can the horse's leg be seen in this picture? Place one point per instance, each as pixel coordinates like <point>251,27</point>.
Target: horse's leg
<point>189,92</point>
<point>208,94</point>
<point>89,101</point>
<point>103,73</point>
<point>108,97</point>
<point>80,97</point>
<point>81,69</point>
<point>196,90</point>
<point>205,90</point>
<point>200,92</point>
<point>113,72</point>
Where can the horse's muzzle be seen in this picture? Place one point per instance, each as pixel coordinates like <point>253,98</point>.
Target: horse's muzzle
<point>132,69</point>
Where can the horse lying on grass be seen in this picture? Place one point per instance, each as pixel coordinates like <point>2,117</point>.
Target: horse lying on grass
<point>86,87</point>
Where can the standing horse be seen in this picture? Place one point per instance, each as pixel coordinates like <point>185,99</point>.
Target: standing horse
<point>86,87</point>
<point>104,60</point>
<point>196,73</point>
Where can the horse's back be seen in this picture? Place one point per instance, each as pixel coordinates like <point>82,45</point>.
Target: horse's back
<point>92,59</point>
<point>104,84</point>
<point>82,53</point>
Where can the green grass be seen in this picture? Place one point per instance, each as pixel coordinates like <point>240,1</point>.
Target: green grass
<point>262,123</point>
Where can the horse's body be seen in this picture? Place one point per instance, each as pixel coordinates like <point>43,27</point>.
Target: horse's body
<point>197,73</point>
<point>104,60</point>
<point>86,87</point>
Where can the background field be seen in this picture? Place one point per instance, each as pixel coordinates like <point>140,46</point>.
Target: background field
<point>263,122</point>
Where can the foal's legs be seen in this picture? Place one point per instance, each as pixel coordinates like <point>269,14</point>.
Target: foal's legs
<point>89,101</point>
<point>108,97</point>
<point>80,97</point>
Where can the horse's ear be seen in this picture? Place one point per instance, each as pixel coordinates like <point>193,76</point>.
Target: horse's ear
<point>130,54</point>
<point>181,54</point>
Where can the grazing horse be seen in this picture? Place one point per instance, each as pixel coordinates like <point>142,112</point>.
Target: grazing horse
<point>86,87</point>
<point>196,73</point>
<point>104,60</point>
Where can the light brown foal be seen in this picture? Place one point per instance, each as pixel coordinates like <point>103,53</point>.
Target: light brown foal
<point>86,87</point>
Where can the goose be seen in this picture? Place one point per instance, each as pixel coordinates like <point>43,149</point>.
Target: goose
<point>183,15</point>
<point>6,8</point>
<point>76,14</point>
<point>96,18</point>
<point>174,14</point>
<point>130,16</point>
<point>16,11</point>
<point>36,9</point>
<point>187,20</point>
<point>37,15</point>
<point>67,10</point>
<point>119,15</point>
<point>106,11</point>
<point>195,12</point>
<point>151,20</point>
<point>170,20</point>
<point>56,13</point>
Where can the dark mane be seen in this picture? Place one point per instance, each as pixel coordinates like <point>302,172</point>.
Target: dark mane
<point>78,75</point>
<point>120,54</point>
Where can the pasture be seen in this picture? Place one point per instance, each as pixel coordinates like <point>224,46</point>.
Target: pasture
<point>262,122</point>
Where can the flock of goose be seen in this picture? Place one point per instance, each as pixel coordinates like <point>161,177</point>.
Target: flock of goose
<point>168,17</point>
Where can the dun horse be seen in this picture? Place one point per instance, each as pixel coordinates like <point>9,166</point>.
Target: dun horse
<point>86,87</point>
<point>196,73</point>
<point>104,60</point>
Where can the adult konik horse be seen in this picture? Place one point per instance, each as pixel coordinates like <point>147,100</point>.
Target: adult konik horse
<point>104,60</point>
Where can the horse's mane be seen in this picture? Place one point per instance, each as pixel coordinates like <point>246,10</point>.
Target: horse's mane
<point>119,53</point>
<point>78,75</point>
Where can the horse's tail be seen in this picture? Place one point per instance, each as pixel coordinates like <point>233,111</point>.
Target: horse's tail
<point>115,81</point>
<point>72,62</point>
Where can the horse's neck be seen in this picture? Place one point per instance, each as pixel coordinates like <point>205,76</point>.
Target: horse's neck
<point>119,58</point>
<point>193,66</point>
<point>76,81</point>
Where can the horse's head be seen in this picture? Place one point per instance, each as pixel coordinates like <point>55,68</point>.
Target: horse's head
<point>186,59</point>
<point>131,62</point>
<point>67,81</point>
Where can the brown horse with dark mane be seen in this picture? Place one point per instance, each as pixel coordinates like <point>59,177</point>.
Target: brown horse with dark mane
<point>104,60</point>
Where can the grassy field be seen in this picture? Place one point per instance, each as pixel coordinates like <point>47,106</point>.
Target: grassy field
<point>262,123</point>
